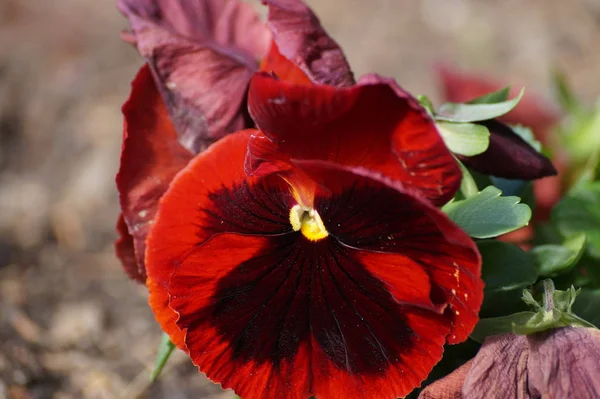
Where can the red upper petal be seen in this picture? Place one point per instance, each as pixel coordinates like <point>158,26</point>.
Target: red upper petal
<point>299,36</point>
<point>374,124</point>
<point>150,157</point>
<point>202,55</point>
<point>532,111</point>
<point>274,315</point>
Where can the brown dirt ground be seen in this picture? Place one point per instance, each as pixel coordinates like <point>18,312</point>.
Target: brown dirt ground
<point>71,324</point>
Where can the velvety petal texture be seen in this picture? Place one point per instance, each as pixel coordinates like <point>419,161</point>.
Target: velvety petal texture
<point>300,38</point>
<point>374,124</point>
<point>362,311</point>
<point>150,157</point>
<point>509,156</point>
<point>202,54</point>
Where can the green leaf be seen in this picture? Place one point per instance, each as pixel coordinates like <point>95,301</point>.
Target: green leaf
<point>459,112</point>
<point>552,259</point>
<point>579,212</point>
<point>507,269</point>
<point>487,214</point>
<point>554,311</point>
<point>425,103</point>
<point>492,98</point>
<point>564,93</point>
<point>499,325</point>
<point>587,306</point>
<point>165,349</point>
<point>468,186</point>
<point>465,138</point>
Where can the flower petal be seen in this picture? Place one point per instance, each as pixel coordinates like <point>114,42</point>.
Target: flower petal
<point>150,157</point>
<point>532,111</point>
<point>563,363</point>
<point>272,314</point>
<point>124,248</point>
<point>283,68</point>
<point>500,369</point>
<point>301,39</point>
<point>202,55</point>
<point>390,227</point>
<point>448,387</point>
<point>509,156</point>
<point>374,124</point>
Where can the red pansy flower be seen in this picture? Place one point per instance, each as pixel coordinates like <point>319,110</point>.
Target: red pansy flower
<point>201,55</point>
<point>320,273</point>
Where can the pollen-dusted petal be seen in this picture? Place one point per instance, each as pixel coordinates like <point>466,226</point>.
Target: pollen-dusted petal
<point>375,125</point>
<point>509,156</point>
<point>273,314</point>
<point>300,38</point>
<point>150,158</point>
<point>202,54</point>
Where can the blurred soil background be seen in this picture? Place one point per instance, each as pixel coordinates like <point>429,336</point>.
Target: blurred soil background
<point>71,324</point>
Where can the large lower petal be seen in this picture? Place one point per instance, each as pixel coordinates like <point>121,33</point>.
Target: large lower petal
<point>375,125</point>
<point>301,39</point>
<point>150,158</point>
<point>202,55</point>
<point>273,314</point>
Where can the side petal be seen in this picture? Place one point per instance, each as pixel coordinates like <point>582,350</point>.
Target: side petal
<point>150,158</point>
<point>510,156</point>
<point>500,369</point>
<point>564,363</point>
<point>124,248</point>
<point>202,58</point>
<point>223,172</point>
<point>375,125</point>
<point>299,36</point>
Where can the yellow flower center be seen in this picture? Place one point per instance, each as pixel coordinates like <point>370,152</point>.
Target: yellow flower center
<point>308,222</point>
